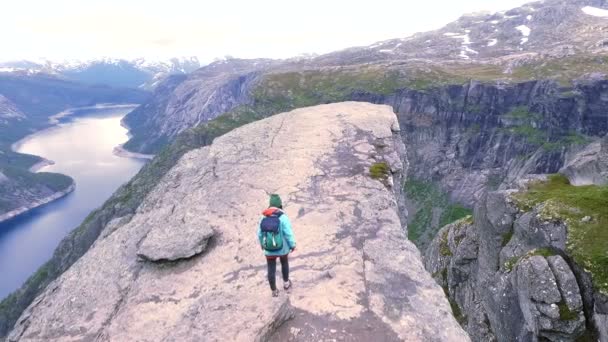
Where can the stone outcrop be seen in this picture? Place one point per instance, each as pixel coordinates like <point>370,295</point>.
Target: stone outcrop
<point>187,266</point>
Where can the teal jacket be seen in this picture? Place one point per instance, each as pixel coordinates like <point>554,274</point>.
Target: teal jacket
<point>289,240</point>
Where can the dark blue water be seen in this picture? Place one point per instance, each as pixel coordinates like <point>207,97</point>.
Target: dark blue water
<point>81,147</point>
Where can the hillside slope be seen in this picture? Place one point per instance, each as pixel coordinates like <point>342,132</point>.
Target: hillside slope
<point>188,266</point>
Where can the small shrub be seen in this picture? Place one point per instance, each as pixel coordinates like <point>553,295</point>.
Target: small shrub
<point>379,171</point>
<point>510,264</point>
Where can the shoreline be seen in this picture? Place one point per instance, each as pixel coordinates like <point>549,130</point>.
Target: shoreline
<point>124,153</point>
<point>56,118</point>
<point>54,121</point>
<point>41,164</point>
<point>120,151</point>
<point>46,200</point>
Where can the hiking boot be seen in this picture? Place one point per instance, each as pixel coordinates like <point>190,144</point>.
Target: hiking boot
<point>275,293</point>
<point>287,285</point>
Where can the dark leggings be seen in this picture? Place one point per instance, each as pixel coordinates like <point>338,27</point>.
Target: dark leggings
<point>272,270</point>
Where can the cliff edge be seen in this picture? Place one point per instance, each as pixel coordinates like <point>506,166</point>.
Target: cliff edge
<point>188,265</point>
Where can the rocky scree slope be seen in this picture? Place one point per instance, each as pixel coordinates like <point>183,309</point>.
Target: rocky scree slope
<point>531,263</point>
<point>185,266</point>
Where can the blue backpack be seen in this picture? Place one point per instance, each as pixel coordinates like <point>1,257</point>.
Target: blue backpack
<point>272,236</point>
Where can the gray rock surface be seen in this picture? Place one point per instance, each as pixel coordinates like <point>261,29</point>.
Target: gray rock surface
<point>164,244</point>
<point>589,166</point>
<point>347,225</point>
<point>504,272</point>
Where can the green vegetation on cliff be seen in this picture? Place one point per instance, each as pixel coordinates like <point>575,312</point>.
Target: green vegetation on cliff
<point>379,171</point>
<point>433,210</point>
<point>523,123</point>
<point>585,211</point>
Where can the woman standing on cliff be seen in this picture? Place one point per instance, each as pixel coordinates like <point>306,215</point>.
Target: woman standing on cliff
<point>277,240</point>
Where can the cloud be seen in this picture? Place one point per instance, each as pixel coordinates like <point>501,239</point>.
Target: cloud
<point>163,42</point>
<point>63,29</point>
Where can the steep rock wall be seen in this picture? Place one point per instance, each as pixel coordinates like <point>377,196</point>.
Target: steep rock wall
<point>464,135</point>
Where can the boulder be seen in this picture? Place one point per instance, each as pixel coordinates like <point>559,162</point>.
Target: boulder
<point>589,166</point>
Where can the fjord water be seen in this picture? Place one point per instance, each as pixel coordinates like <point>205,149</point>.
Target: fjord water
<point>82,147</point>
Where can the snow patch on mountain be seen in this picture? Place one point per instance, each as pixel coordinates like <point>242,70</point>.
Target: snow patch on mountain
<point>525,31</point>
<point>596,12</point>
<point>465,48</point>
<point>139,72</point>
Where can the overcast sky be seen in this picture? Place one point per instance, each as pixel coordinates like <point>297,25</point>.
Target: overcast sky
<point>84,29</point>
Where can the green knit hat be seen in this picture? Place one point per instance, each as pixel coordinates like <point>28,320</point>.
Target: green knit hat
<point>275,201</point>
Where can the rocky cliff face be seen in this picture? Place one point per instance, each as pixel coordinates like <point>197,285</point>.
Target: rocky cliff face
<point>530,264</point>
<point>188,266</point>
<point>466,135</point>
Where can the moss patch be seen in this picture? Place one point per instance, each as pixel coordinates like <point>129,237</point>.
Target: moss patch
<point>460,317</point>
<point>564,312</point>
<point>587,241</point>
<point>510,264</point>
<point>506,237</point>
<point>444,247</point>
<point>379,171</point>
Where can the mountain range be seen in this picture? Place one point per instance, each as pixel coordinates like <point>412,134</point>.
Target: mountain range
<point>136,73</point>
<point>554,39</point>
